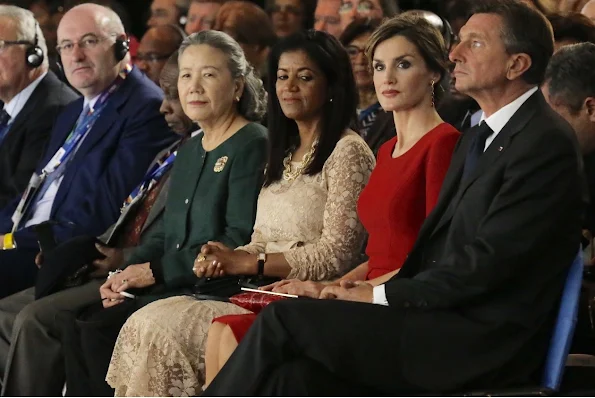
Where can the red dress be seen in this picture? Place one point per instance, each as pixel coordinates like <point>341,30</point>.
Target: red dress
<point>399,196</point>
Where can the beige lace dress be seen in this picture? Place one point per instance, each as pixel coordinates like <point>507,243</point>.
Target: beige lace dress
<point>312,220</point>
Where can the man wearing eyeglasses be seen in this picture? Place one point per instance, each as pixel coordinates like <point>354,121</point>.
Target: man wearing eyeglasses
<point>31,97</point>
<point>156,46</point>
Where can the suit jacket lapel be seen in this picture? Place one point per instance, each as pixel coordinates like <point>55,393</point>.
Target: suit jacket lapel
<point>158,205</point>
<point>496,148</point>
<point>39,94</point>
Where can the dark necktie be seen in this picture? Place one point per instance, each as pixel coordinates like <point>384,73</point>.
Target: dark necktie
<point>478,142</point>
<point>4,118</point>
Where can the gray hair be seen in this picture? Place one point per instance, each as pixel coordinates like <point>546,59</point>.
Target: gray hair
<point>26,28</point>
<point>570,75</point>
<point>253,101</point>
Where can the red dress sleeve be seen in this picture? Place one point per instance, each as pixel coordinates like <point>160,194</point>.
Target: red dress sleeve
<point>239,324</point>
<point>438,161</point>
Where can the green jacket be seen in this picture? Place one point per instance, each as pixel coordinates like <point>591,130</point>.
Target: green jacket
<point>210,198</point>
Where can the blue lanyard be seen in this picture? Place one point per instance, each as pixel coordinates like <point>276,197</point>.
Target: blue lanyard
<point>151,178</point>
<point>84,125</point>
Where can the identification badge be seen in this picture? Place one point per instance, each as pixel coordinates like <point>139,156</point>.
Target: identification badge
<point>55,161</point>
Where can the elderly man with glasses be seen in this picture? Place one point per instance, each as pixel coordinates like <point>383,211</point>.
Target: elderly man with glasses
<point>31,96</point>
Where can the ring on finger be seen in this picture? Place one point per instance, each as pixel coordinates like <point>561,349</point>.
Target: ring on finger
<point>124,281</point>
<point>201,257</point>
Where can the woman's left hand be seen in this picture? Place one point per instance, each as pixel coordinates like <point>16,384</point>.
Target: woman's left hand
<point>220,262</point>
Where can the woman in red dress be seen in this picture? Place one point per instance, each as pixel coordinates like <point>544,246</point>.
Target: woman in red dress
<point>408,58</point>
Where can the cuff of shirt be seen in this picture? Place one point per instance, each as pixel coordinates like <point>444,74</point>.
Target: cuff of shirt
<point>380,295</point>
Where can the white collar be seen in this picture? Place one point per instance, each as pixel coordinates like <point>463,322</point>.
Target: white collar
<point>195,133</point>
<point>90,102</point>
<point>16,105</point>
<point>499,119</point>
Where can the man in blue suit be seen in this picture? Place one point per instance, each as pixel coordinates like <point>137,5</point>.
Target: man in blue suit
<point>100,149</point>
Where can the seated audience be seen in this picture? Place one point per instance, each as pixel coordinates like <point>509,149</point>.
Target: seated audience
<point>32,97</point>
<point>156,46</point>
<point>326,17</point>
<point>589,10</point>
<point>291,16</point>
<point>475,301</point>
<point>100,147</point>
<point>408,57</point>
<point>251,27</point>
<point>306,222</point>
<point>375,126</point>
<point>352,9</point>
<point>571,29</point>
<point>212,197</point>
<point>201,15</point>
<point>30,355</point>
<point>165,12</point>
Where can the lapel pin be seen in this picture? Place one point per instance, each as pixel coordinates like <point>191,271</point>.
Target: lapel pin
<point>220,164</point>
<point>500,149</point>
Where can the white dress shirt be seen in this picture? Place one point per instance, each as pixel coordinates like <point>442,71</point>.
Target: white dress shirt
<point>43,208</point>
<point>16,105</point>
<point>496,122</point>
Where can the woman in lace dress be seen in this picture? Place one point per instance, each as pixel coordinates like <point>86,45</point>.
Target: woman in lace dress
<point>306,222</point>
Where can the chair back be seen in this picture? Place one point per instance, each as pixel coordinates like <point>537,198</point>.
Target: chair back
<point>564,328</point>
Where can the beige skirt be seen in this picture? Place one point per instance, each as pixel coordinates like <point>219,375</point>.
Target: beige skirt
<point>161,349</point>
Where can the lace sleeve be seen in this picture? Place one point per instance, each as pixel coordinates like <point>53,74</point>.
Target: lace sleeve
<point>348,170</point>
<point>256,245</point>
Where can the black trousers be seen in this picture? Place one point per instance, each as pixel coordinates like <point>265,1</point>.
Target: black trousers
<point>88,340</point>
<point>317,347</point>
<point>17,270</point>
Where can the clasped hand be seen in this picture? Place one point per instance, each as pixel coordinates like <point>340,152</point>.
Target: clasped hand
<point>134,276</point>
<point>216,260</point>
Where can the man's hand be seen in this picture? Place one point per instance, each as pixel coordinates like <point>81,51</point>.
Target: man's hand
<point>39,259</point>
<point>349,291</point>
<point>297,287</point>
<point>114,258</point>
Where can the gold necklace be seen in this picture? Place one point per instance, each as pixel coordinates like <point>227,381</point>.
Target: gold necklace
<point>289,175</point>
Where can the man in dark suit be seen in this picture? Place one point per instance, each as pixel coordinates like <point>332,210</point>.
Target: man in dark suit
<point>100,148</point>
<point>474,304</point>
<point>32,97</point>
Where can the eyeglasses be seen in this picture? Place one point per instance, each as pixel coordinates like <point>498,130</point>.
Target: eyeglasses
<point>8,43</point>
<point>363,7</point>
<point>353,51</point>
<point>150,57</point>
<point>90,42</point>
<point>205,22</point>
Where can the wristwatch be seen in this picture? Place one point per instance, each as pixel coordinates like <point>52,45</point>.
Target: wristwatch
<point>262,258</point>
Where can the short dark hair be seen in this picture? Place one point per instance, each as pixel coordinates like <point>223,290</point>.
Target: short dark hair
<point>169,77</point>
<point>338,111</point>
<point>570,75</point>
<point>252,26</point>
<point>357,28</point>
<point>424,36</point>
<point>573,26</point>
<point>525,30</point>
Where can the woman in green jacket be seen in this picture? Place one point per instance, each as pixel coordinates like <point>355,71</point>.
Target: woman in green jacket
<point>215,183</point>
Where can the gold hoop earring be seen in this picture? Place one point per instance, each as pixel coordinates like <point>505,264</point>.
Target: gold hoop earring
<point>433,93</point>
